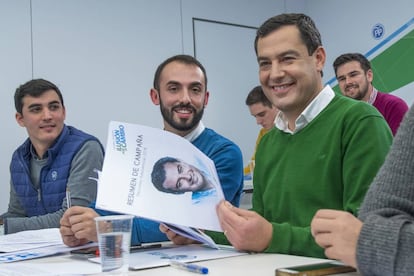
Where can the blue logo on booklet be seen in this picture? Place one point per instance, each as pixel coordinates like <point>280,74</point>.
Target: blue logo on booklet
<point>119,139</point>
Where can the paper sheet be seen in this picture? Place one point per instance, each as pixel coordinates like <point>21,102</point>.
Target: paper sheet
<point>126,183</point>
<point>188,253</point>
<point>30,239</point>
<point>33,244</point>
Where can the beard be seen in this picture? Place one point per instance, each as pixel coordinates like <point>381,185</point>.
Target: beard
<point>362,90</point>
<point>181,124</point>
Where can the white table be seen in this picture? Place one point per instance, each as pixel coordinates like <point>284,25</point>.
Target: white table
<point>254,264</point>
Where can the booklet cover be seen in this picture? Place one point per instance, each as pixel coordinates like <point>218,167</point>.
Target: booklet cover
<point>156,174</point>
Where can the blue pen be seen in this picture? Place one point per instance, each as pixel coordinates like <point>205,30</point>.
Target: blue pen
<point>189,267</point>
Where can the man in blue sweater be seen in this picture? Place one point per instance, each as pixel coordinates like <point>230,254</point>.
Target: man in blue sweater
<point>180,89</point>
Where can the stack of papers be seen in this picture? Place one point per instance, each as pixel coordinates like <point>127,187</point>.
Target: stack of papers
<point>30,239</point>
<point>33,244</point>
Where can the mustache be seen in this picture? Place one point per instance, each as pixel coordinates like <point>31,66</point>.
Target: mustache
<point>188,106</point>
<point>351,86</point>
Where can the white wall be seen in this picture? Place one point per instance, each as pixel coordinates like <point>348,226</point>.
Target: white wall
<point>15,66</point>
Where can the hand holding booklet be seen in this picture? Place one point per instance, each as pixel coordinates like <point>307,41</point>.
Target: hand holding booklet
<point>156,174</point>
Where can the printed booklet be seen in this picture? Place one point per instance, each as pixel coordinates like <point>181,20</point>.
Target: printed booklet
<point>156,174</point>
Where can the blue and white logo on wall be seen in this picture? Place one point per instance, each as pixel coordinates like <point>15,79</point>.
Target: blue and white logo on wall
<point>378,31</point>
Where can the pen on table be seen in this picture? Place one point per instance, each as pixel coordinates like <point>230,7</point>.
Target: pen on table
<point>68,200</point>
<point>189,267</point>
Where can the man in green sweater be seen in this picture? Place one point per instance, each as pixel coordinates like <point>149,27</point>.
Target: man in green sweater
<point>323,153</point>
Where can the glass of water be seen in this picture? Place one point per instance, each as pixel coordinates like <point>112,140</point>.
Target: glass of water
<point>114,238</point>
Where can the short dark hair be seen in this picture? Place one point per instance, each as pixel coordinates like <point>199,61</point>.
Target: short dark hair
<point>345,58</point>
<point>186,59</point>
<point>256,95</point>
<point>307,28</point>
<point>158,174</point>
<point>34,88</point>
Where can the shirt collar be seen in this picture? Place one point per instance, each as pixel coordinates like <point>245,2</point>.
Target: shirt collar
<point>34,154</point>
<point>196,132</point>
<point>373,96</point>
<point>310,112</point>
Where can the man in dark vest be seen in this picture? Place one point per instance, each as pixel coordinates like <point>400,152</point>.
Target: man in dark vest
<point>55,158</point>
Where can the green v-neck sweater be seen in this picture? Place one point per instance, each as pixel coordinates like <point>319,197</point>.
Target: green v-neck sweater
<point>328,164</point>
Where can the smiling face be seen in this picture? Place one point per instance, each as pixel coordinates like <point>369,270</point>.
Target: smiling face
<point>43,117</point>
<point>290,77</point>
<point>182,96</point>
<point>182,177</point>
<point>353,81</point>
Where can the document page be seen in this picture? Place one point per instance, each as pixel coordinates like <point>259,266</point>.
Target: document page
<point>187,253</point>
<point>33,244</point>
<point>156,174</point>
<point>25,240</point>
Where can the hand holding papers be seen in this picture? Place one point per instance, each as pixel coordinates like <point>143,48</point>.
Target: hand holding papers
<point>158,175</point>
<point>192,233</point>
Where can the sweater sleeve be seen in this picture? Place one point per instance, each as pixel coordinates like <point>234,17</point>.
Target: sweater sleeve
<point>143,230</point>
<point>386,242</point>
<point>83,190</point>
<point>15,209</point>
<point>229,165</point>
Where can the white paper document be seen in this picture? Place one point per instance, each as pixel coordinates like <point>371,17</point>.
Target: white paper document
<point>33,244</point>
<point>30,239</point>
<point>188,253</point>
<point>145,172</point>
